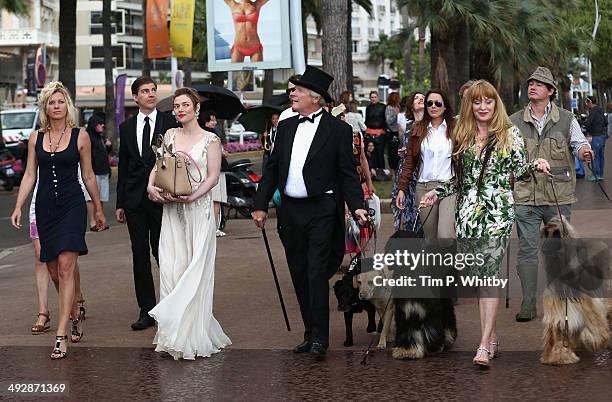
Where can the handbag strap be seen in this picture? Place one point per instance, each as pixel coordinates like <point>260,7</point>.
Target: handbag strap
<point>194,163</point>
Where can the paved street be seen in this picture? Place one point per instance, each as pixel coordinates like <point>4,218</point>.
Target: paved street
<point>114,363</point>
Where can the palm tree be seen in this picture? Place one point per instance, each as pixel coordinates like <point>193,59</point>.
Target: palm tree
<point>406,35</point>
<point>108,70</point>
<point>367,6</point>
<point>67,45</point>
<point>386,48</point>
<point>421,71</point>
<point>334,15</point>
<point>20,7</point>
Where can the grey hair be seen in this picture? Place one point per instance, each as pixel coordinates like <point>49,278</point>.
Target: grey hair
<point>314,94</point>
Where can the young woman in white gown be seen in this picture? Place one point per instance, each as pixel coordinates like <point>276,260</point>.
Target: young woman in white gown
<point>187,245</point>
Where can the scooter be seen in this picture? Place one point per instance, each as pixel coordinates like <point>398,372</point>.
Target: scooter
<point>8,175</point>
<point>241,184</point>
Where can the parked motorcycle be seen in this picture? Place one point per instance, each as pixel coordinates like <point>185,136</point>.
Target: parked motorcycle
<point>8,175</point>
<point>241,184</point>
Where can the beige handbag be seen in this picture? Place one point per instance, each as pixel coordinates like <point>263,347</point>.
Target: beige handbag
<point>172,174</point>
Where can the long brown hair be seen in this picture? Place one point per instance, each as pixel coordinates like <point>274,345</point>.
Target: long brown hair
<point>393,99</point>
<point>420,128</point>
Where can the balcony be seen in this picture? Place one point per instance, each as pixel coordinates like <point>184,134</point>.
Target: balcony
<point>26,37</point>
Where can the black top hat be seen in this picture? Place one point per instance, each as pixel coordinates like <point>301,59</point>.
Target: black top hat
<point>315,80</point>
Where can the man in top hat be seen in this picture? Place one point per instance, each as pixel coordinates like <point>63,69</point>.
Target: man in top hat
<point>312,167</point>
<point>555,135</point>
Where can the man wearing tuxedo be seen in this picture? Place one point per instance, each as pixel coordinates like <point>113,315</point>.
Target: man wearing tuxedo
<point>312,166</point>
<point>143,216</point>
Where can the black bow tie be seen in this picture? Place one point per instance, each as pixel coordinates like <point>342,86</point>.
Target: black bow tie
<point>309,118</point>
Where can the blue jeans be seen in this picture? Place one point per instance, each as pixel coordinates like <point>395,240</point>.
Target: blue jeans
<point>579,168</point>
<point>599,146</point>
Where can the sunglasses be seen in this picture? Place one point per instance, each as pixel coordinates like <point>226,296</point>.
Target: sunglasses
<point>437,103</point>
<point>289,90</point>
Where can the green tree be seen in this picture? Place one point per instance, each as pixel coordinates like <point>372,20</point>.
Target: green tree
<point>386,48</point>
<point>108,71</point>
<point>67,45</point>
<point>313,8</point>
<point>20,7</point>
<point>334,26</point>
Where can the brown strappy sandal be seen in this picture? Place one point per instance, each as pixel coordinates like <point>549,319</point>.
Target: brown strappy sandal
<point>38,329</point>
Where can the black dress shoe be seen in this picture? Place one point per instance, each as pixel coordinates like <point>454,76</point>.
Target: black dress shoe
<point>143,323</point>
<point>303,347</point>
<point>318,350</point>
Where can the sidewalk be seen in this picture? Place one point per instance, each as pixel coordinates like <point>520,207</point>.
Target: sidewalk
<point>246,303</point>
<point>114,363</point>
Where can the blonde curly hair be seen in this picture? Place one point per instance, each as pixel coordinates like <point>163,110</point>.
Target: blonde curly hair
<point>45,94</point>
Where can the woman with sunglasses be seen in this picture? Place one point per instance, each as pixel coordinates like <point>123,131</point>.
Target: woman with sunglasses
<point>429,155</point>
<point>488,150</point>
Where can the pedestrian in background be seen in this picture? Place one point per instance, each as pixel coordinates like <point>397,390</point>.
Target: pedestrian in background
<point>429,155</point>
<point>391,113</point>
<point>100,148</point>
<point>219,191</point>
<point>595,125</point>
<point>407,218</point>
<point>375,121</point>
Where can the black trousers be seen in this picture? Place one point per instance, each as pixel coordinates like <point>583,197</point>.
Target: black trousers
<point>308,232</point>
<point>144,225</point>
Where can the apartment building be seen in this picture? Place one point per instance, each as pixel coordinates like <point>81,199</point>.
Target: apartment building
<point>20,39</point>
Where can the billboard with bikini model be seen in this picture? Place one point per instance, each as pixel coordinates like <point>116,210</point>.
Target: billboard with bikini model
<point>248,34</point>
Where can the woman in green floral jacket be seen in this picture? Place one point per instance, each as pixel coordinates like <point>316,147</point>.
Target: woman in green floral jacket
<point>488,150</point>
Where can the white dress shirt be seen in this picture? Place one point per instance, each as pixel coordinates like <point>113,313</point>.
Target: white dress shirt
<point>436,152</point>
<point>287,113</point>
<point>140,122</point>
<point>304,134</point>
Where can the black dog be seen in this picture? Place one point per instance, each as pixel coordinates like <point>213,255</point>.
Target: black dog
<point>349,303</point>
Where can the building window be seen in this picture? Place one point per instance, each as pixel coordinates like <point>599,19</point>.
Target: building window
<point>355,46</point>
<point>97,56</point>
<point>117,22</point>
<point>381,9</point>
<point>371,32</point>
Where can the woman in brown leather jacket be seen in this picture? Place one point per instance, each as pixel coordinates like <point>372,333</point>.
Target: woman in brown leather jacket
<point>429,154</point>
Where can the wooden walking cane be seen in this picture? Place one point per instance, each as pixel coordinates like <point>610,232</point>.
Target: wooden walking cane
<point>278,290</point>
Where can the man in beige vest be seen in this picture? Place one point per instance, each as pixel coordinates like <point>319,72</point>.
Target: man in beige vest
<point>553,134</point>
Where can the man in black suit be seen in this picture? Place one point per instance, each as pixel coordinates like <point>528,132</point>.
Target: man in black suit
<point>136,159</point>
<point>312,166</point>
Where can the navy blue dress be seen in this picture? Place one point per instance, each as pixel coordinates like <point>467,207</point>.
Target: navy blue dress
<point>61,214</point>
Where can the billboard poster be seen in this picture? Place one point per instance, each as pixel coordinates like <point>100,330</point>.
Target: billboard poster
<point>248,34</point>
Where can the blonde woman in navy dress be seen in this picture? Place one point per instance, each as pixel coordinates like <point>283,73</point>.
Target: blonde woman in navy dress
<point>61,215</point>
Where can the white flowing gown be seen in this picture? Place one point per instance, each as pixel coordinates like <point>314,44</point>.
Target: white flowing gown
<point>187,249</point>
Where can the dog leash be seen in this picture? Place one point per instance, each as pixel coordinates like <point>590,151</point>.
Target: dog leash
<point>552,185</point>
<point>603,190</point>
<point>364,361</point>
<point>566,326</point>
